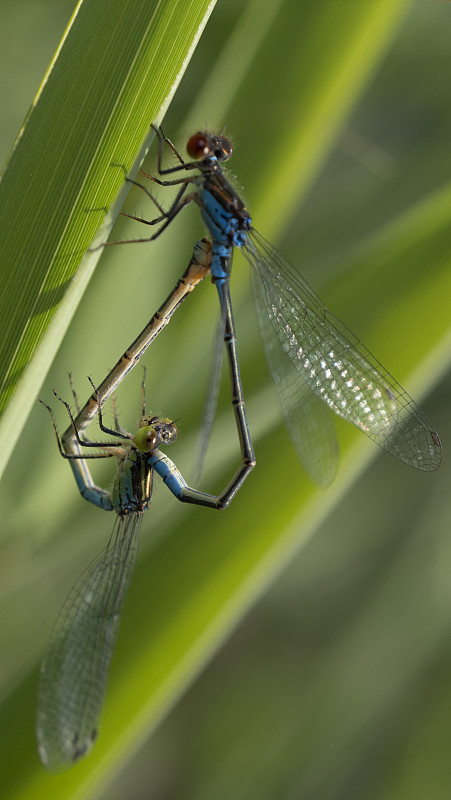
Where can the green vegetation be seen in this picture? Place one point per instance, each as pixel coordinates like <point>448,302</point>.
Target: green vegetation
<point>336,684</point>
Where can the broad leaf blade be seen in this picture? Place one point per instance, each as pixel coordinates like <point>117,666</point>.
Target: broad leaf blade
<point>116,70</point>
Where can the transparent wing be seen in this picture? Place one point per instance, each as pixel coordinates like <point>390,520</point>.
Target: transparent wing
<point>308,421</point>
<point>336,365</point>
<point>74,671</point>
<point>211,399</point>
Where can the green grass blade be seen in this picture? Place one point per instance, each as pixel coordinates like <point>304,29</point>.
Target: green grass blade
<point>115,71</point>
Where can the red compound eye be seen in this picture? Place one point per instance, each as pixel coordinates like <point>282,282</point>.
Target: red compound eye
<point>198,146</point>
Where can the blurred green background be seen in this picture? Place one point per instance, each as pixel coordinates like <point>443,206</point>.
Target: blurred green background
<point>336,683</point>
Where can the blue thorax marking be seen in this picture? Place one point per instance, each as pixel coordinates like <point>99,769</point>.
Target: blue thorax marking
<point>221,222</point>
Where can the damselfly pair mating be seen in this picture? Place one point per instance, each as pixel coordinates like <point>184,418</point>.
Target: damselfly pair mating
<point>311,356</point>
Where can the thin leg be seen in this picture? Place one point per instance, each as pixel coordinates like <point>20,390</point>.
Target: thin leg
<point>86,442</point>
<point>104,428</point>
<point>166,217</point>
<point>169,217</point>
<point>187,165</point>
<point>75,397</point>
<point>163,213</point>
<point>143,393</point>
<point>117,425</point>
<point>162,137</point>
<point>74,393</point>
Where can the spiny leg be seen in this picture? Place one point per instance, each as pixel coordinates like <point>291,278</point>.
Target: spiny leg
<point>119,431</point>
<point>143,393</point>
<point>80,456</point>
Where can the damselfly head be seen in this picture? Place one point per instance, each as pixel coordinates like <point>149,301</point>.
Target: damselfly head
<point>203,145</point>
<point>153,432</point>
